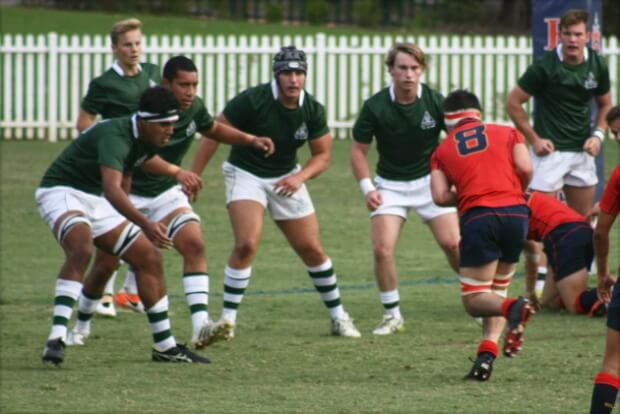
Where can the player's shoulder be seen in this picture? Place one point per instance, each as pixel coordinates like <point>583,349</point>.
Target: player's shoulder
<point>379,97</point>
<point>150,68</point>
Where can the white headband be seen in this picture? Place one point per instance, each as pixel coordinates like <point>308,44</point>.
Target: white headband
<point>453,118</point>
<point>170,116</point>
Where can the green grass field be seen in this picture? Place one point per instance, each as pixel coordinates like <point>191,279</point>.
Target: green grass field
<point>283,359</point>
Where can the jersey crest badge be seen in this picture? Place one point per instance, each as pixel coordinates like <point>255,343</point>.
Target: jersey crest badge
<point>140,161</point>
<point>427,121</point>
<point>191,129</point>
<point>590,82</point>
<point>302,132</point>
<point>152,83</point>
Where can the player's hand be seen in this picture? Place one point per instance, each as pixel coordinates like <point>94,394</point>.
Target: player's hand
<point>373,200</point>
<point>543,147</point>
<point>288,186</point>
<point>190,182</point>
<point>534,301</point>
<point>593,213</point>
<point>157,233</point>
<point>593,146</point>
<point>604,286</point>
<point>264,144</point>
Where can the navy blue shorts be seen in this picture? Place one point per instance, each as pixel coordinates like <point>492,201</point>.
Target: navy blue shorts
<point>613,315</point>
<point>569,248</point>
<point>489,234</point>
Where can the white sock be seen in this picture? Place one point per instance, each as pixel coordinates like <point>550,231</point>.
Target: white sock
<point>391,303</point>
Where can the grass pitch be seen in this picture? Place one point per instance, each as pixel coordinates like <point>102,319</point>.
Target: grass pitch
<point>283,359</point>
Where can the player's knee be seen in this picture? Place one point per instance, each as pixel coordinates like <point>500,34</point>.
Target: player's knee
<point>245,249</point>
<point>79,255</point>
<point>382,252</point>
<point>194,247</point>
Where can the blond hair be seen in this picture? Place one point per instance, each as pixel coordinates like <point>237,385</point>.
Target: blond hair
<point>573,17</point>
<point>410,49</point>
<point>123,27</point>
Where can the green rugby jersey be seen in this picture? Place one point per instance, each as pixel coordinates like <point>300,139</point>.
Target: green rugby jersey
<point>112,143</point>
<point>564,95</point>
<point>195,119</point>
<point>406,134</point>
<point>113,94</point>
<point>257,111</point>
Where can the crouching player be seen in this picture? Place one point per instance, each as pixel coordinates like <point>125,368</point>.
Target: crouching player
<point>607,381</point>
<point>567,242</point>
<point>484,169</point>
<point>80,198</point>
<point>162,200</point>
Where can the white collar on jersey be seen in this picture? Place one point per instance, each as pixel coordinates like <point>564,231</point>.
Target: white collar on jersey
<point>393,95</point>
<point>118,69</point>
<point>134,126</point>
<point>275,89</point>
<point>558,50</point>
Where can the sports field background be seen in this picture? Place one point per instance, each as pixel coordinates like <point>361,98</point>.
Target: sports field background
<point>283,359</point>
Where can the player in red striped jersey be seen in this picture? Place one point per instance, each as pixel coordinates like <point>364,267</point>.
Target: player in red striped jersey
<point>484,169</point>
<point>607,381</point>
<point>567,239</point>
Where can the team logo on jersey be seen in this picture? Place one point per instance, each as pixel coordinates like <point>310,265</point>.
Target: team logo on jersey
<point>152,83</point>
<point>302,132</point>
<point>427,121</point>
<point>590,82</point>
<point>191,129</point>
<point>139,161</point>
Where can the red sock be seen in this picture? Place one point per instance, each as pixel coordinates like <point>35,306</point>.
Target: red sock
<point>506,306</point>
<point>488,346</point>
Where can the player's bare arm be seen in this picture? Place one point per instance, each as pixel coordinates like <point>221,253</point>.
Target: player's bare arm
<point>321,154</point>
<point>190,181</point>
<point>442,190</point>
<point>85,120</point>
<point>594,144</point>
<point>359,164</point>
<point>523,164</point>
<point>531,272</point>
<point>601,247</point>
<point>226,133</point>
<point>126,183</point>
<point>514,107</point>
<point>111,180</point>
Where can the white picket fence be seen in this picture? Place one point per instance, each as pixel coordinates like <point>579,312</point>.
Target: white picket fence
<point>44,77</point>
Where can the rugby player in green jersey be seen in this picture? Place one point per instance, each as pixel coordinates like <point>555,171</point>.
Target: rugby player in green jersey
<point>406,119</point>
<point>116,93</point>
<point>162,200</point>
<point>564,82</point>
<point>82,197</point>
<point>282,110</point>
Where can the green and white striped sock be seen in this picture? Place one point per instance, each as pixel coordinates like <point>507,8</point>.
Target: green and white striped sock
<point>160,325</point>
<point>87,305</point>
<point>236,282</point>
<point>66,293</point>
<point>325,282</point>
<point>196,288</point>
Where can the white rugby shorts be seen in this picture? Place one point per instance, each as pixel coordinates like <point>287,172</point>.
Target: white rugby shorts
<point>242,185</point>
<point>157,208</point>
<point>560,168</point>
<point>400,197</point>
<point>53,202</point>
